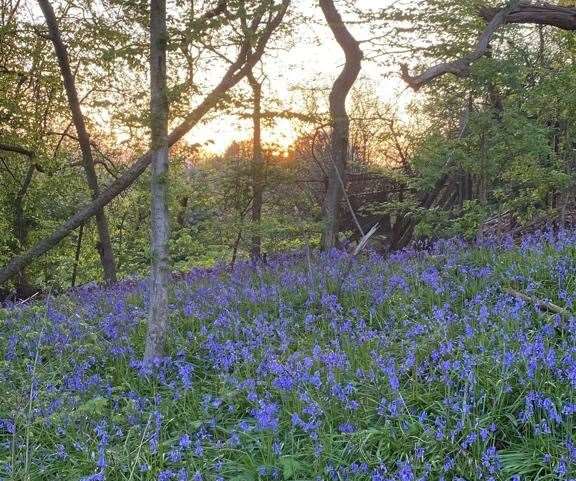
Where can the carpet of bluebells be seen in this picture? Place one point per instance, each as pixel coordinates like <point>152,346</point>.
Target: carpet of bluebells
<point>419,366</point>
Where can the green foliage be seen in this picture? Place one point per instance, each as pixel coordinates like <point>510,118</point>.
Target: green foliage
<point>437,222</point>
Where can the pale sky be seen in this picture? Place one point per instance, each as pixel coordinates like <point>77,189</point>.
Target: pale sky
<point>304,64</point>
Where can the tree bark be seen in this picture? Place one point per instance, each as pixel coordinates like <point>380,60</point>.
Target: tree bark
<point>235,247</point>
<point>257,168</point>
<point>538,14</point>
<point>238,70</point>
<point>21,230</point>
<point>104,245</point>
<point>77,256</point>
<point>339,121</point>
<point>158,316</point>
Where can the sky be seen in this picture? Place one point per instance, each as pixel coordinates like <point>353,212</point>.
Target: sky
<point>315,59</point>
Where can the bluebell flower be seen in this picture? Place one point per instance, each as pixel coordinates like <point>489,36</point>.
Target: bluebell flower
<point>99,476</point>
<point>346,428</point>
<point>405,472</point>
<point>166,475</point>
<point>561,468</point>
<point>266,416</point>
<point>198,449</point>
<point>175,455</point>
<point>185,442</point>
<point>185,370</point>
<point>448,464</point>
<point>277,448</point>
<point>490,460</point>
<point>7,425</point>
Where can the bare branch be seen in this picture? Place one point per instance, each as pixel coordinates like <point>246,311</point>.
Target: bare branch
<point>217,10</point>
<point>538,14</point>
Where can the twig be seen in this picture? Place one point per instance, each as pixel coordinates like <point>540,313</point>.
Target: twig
<point>24,301</point>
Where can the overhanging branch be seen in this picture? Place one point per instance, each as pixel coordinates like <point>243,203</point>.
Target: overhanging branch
<point>17,149</point>
<point>518,12</point>
<point>538,14</point>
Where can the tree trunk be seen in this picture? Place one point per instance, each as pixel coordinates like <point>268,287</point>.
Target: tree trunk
<point>233,75</point>
<point>104,245</point>
<point>158,320</point>
<point>235,247</point>
<point>257,169</point>
<point>483,154</point>
<point>181,217</point>
<point>77,256</point>
<point>339,121</point>
<point>21,230</point>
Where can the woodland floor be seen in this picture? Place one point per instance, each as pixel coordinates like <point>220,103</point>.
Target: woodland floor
<point>428,365</point>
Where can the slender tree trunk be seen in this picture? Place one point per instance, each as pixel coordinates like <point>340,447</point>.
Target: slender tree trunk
<point>564,199</point>
<point>21,230</point>
<point>104,245</point>
<point>482,183</point>
<point>257,168</point>
<point>339,121</point>
<point>235,247</point>
<point>181,217</point>
<point>158,321</point>
<point>77,255</point>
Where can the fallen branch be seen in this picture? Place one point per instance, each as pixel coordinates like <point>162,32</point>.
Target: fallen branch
<point>357,250</point>
<point>539,304</point>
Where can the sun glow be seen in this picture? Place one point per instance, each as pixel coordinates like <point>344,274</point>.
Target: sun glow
<point>216,135</point>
